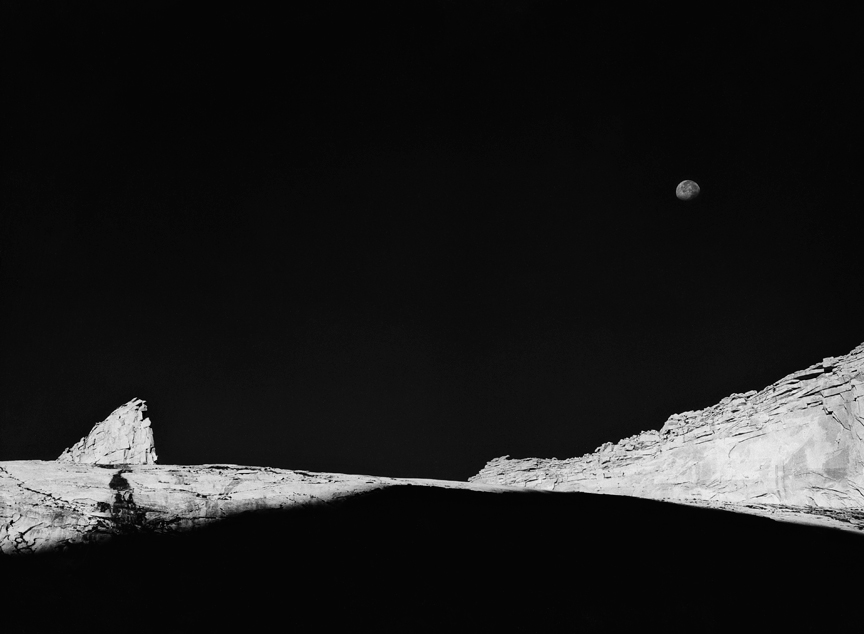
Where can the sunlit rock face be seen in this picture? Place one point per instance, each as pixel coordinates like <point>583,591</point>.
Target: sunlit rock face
<point>793,451</point>
<point>45,505</point>
<point>125,437</point>
<point>107,485</point>
<point>49,505</point>
<point>797,442</point>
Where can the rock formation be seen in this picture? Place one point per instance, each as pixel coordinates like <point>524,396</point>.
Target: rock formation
<point>797,444</point>
<point>793,451</point>
<point>46,505</point>
<point>107,484</point>
<point>125,437</point>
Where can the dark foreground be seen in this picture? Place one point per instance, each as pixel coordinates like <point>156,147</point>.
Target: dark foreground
<point>421,559</point>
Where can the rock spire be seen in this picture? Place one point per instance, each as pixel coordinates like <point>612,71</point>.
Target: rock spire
<point>125,437</point>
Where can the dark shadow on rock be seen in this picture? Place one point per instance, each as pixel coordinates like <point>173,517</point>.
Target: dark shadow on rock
<point>416,559</point>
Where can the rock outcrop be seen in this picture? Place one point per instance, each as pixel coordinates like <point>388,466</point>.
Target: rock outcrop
<point>125,437</point>
<point>45,505</point>
<point>107,484</point>
<point>798,443</point>
<point>793,451</point>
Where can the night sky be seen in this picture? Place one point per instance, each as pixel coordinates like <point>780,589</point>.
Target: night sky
<point>405,238</point>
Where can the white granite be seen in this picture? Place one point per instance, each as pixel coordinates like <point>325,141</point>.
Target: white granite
<point>46,505</point>
<point>125,437</point>
<point>796,443</point>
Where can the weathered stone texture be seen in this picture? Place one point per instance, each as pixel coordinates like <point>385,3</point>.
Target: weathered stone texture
<point>107,484</point>
<point>125,437</point>
<point>797,442</point>
<point>45,505</point>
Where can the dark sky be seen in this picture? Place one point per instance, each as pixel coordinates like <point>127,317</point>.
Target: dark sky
<point>405,238</point>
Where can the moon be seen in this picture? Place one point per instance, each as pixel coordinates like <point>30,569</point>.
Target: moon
<point>687,190</point>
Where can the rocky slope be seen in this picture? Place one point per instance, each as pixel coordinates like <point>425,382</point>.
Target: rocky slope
<point>107,485</point>
<point>334,552</point>
<point>432,559</point>
<point>792,451</point>
<point>45,505</point>
<point>797,444</point>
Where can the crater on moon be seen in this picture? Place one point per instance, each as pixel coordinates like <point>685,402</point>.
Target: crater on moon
<point>687,190</point>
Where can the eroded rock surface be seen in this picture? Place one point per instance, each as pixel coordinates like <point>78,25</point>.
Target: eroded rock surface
<point>125,437</point>
<point>798,443</point>
<point>793,451</point>
<point>107,484</point>
<point>45,505</point>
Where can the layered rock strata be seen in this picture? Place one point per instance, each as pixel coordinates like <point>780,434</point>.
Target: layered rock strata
<point>798,443</point>
<point>125,437</point>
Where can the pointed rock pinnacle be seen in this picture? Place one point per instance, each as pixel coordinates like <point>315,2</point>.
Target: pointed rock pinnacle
<point>125,437</point>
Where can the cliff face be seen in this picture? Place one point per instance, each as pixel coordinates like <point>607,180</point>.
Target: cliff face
<point>798,442</point>
<point>125,437</point>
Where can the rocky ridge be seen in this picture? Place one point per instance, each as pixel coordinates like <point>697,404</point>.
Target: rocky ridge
<point>796,444</point>
<point>45,505</point>
<point>793,451</point>
<point>125,437</point>
<point>107,484</point>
